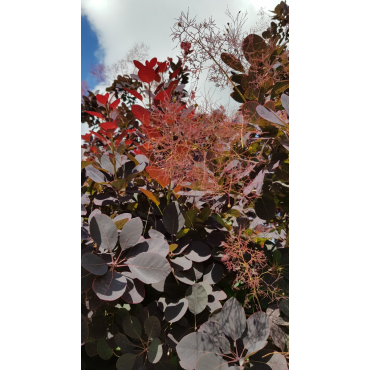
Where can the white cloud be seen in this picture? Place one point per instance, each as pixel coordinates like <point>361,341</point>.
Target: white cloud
<point>119,24</point>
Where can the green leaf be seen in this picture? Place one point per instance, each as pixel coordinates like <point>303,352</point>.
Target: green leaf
<point>232,62</point>
<point>279,88</point>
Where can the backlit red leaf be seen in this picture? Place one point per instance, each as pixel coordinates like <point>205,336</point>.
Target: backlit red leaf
<point>162,67</point>
<point>163,95</point>
<point>102,99</point>
<point>146,74</point>
<point>158,175</point>
<point>174,73</point>
<point>141,114</point>
<point>138,64</point>
<point>114,105</point>
<point>153,62</point>
<point>134,93</point>
<point>86,137</point>
<point>96,114</point>
<point>119,138</point>
<point>108,125</point>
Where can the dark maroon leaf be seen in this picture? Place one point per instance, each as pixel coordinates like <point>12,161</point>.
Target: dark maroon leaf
<point>183,243</point>
<point>91,349</point>
<point>187,277</point>
<point>126,361</point>
<point>93,213</point>
<point>123,343</point>
<point>104,232</point>
<point>110,287</point>
<point>233,319</point>
<point>132,327</point>
<point>155,351</point>
<point>152,327</point>
<point>131,233</point>
<point>135,291</point>
<point>104,351</point>
<point>198,251</point>
<point>84,330</point>
<point>175,311</point>
<point>197,298</point>
<point>94,264</point>
<point>156,245</point>
<point>173,219</point>
<point>213,273</point>
<point>104,199</point>
<point>181,264</point>
<point>149,267</point>
<point>87,279</point>
<point>265,208</point>
<point>193,346</point>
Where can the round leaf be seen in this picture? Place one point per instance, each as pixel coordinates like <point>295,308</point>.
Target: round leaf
<point>131,233</point>
<point>198,251</point>
<point>103,231</point>
<point>84,330</point>
<point>126,361</point>
<point>265,208</point>
<point>110,286</point>
<point>149,267</point>
<point>233,319</point>
<point>194,345</point>
<point>213,273</point>
<point>197,298</point>
<point>152,327</point>
<point>94,264</point>
<point>155,351</point>
<point>173,219</point>
<point>211,361</point>
<point>132,327</point>
<point>175,311</point>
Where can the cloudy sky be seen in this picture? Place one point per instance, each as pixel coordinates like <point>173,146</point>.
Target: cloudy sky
<point>110,28</point>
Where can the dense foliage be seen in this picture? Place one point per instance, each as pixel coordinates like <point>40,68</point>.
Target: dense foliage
<point>185,217</point>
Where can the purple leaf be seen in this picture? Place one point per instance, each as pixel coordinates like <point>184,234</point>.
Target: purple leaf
<point>197,298</point>
<point>213,273</point>
<point>131,233</point>
<point>181,264</point>
<point>198,251</point>
<point>94,264</point>
<point>149,267</point>
<point>193,346</point>
<point>110,286</point>
<point>233,319</point>
<point>175,311</point>
<point>257,332</point>
<point>104,232</point>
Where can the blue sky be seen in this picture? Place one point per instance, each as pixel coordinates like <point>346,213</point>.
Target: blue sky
<point>89,45</point>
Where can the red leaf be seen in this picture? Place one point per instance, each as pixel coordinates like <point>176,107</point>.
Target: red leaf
<point>158,87</point>
<point>157,78</point>
<point>93,149</point>
<point>174,73</point>
<point>152,63</point>
<point>158,175</point>
<point>163,95</point>
<point>119,138</point>
<point>108,126</point>
<point>141,114</point>
<point>151,132</point>
<point>131,130</point>
<point>134,93</point>
<point>101,138</point>
<point>162,67</point>
<point>137,151</point>
<point>94,114</point>
<point>173,84</point>
<point>146,74</point>
<point>128,142</point>
<point>86,137</point>
<point>114,105</point>
<point>102,99</point>
<point>138,64</point>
